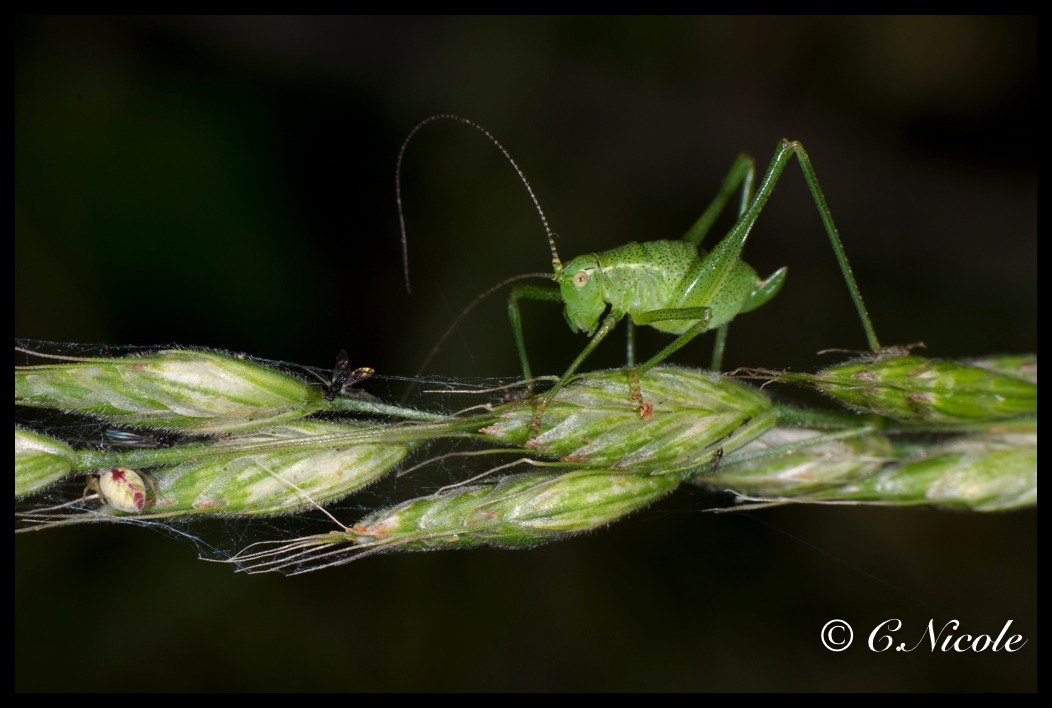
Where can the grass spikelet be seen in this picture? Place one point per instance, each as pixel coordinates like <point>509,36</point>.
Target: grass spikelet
<point>517,511</point>
<point>276,471</point>
<point>189,391</point>
<point>945,433</point>
<point>978,472</point>
<point>594,423</point>
<point>794,461</point>
<point>278,479</point>
<point>40,461</point>
<point>911,388</point>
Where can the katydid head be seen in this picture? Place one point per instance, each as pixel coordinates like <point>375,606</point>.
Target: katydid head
<point>581,287</point>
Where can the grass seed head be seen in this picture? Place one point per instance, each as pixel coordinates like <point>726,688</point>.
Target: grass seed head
<point>979,472</point>
<point>185,390</point>
<point>280,476</point>
<point>594,422</point>
<point>914,389</point>
<point>519,510</point>
<point>794,461</point>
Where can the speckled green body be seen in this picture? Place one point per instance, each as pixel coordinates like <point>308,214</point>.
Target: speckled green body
<point>656,275</point>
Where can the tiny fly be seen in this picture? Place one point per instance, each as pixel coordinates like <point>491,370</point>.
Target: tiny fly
<point>343,376</point>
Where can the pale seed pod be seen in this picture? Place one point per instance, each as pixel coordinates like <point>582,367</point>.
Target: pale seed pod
<point>122,489</point>
<point>182,390</point>
<point>594,422</point>
<point>913,389</point>
<point>40,461</point>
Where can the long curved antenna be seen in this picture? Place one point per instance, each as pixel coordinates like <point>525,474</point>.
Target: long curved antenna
<point>556,263</point>
<point>471,306</point>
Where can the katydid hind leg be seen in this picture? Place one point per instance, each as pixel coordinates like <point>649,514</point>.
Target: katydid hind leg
<point>834,239</point>
<point>716,283</point>
<point>742,174</point>
<point>720,262</point>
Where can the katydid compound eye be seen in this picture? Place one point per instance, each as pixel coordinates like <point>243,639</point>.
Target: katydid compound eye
<point>123,489</point>
<point>580,278</point>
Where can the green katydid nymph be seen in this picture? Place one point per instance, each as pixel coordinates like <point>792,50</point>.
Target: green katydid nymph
<point>674,286</point>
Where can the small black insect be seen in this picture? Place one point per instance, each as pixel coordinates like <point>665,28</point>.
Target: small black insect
<point>343,377</point>
<point>715,464</point>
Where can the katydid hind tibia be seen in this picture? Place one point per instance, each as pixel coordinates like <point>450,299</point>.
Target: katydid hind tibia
<point>674,286</point>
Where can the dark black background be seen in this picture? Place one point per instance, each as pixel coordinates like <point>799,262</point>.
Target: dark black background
<point>229,182</point>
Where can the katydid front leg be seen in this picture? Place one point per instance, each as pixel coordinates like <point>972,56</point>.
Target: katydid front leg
<point>541,293</point>
<point>527,292</point>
